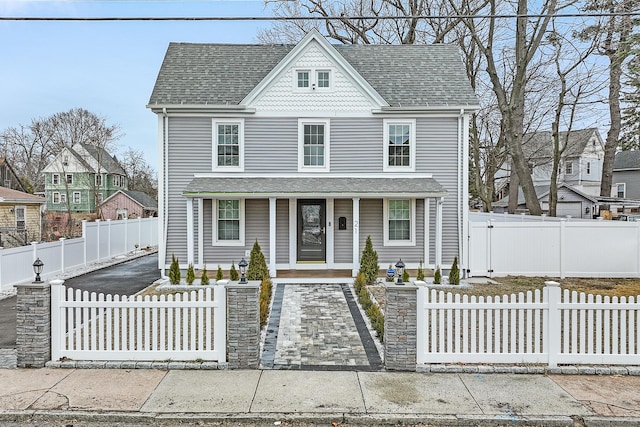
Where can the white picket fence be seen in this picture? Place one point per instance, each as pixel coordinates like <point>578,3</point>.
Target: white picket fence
<point>101,240</point>
<point>583,248</point>
<point>90,326</point>
<point>549,327</point>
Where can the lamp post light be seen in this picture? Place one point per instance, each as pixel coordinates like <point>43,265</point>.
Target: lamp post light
<point>38,265</point>
<point>243,269</point>
<point>400,270</point>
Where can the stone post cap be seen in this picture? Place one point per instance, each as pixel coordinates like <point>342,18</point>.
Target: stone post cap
<point>551,283</point>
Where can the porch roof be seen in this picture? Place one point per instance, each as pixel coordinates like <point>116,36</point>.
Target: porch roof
<point>315,186</point>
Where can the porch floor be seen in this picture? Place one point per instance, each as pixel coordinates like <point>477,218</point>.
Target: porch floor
<point>313,274</point>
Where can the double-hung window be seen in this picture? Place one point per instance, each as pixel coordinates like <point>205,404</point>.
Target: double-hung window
<point>399,145</point>
<point>55,197</point>
<point>228,145</point>
<point>399,222</point>
<point>313,145</point>
<point>55,179</point>
<point>621,190</point>
<point>228,218</point>
<point>76,197</point>
<point>568,168</point>
<point>21,217</point>
<point>69,178</point>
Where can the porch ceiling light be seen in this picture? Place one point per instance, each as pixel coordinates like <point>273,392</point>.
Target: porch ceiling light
<point>400,270</point>
<point>38,265</point>
<point>243,269</point>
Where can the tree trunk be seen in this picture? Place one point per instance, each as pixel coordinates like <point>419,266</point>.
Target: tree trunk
<point>613,135</point>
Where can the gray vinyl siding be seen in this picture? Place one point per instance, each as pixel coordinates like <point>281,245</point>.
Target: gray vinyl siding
<point>189,151</point>
<point>437,154</point>
<point>356,145</point>
<point>343,239</point>
<point>282,231</point>
<point>271,145</point>
<point>371,217</point>
<point>631,179</point>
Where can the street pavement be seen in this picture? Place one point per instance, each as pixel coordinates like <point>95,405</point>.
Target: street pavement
<point>298,397</point>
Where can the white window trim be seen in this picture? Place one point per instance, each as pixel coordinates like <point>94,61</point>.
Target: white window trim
<point>77,193</point>
<point>327,144</point>
<point>53,198</point>
<point>53,179</point>
<point>214,208</point>
<point>567,166</point>
<point>412,148</point>
<point>98,176</point>
<point>24,209</point>
<point>588,168</point>
<point>412,219</point>
<point>313,79</point>
<point>624,189</point>
<point>214,160</point>
<point>63,197</point>
<point>69,182</point>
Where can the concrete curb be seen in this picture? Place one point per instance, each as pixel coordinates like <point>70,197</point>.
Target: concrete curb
<point>317,418</point>
<point>530,369</point>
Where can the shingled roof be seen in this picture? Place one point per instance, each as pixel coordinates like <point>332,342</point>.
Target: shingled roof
<point>627,160</point>
<point>223,74</point>
<point>539,145</point>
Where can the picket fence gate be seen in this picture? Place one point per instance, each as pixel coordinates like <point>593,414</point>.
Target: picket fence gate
<point>90,326</point>
<point>549,327</point>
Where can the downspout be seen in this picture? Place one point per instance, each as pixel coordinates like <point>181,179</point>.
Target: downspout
<point>163,184</point>
<point>464,253</point>
<point>461,237</point>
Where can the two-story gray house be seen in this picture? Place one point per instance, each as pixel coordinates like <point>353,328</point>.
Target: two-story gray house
<point>309,149</point>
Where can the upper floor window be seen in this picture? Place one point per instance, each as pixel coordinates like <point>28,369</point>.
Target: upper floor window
<point>303,79</point>
<point>76,197</point>
<point>399,222</point>
<point>313,145</point>
<point>98,180</point>
<point>55,179</point>
<point>228,145</point>
<point>399,145</point>
<point>621,190</point>
<point>69,178</point>
<point>228,222</point>
<point>568,168</point>
<point>322,78</point>
<point>588,168</point>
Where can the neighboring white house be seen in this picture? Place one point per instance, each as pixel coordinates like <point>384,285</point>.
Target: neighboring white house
<point>309,149</point>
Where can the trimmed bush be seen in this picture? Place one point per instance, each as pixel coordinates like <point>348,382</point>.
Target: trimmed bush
<point>204,278</point>
<point>233,273</point>
<point>174,271</point>
<point>377,320</point>
<point>191,274</point>
<point>437,276</point>
<point>360,282</point>
<point>405,276</point>
<point>454,274</point>
<point>420,275</point>
<point>257,269</point>
<point>368,306</point>
<point>219,274</point>
<point>266,289</point>
<point>369,262</point>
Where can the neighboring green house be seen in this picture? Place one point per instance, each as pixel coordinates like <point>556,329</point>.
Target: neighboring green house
<point>81,177</point>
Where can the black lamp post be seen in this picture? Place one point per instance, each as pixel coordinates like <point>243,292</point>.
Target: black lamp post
<point>243,269</point>
<point>38,265</point>
<point>400,270</point>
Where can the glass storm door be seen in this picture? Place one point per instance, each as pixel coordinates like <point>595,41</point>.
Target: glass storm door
<point>311,230</point>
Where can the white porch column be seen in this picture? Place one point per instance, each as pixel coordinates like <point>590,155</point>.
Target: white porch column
<point>356,236</point>
<point>190,236</point>
<point>438,260</point>
<point>200,233</point>
<point>272,236</point>
<point>427,231</point>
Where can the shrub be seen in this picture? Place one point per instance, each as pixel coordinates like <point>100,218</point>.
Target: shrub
<point>454,274</point>
<point>233,273</point>
<point>437,276</point>
<point>420,275</point>
<point>377,320</point>
<point>360,282</point>
<point>174,271</point>
<point>369,262</point>
<point>219,274</point>
<point>257,269</point>
<point>204,278</point>
<point>265,299</point>
<point>405,276</point>
<point>191,274</point>
<point>368,306</point>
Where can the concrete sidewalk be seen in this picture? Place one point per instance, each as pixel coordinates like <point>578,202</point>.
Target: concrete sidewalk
<point>285,397</point>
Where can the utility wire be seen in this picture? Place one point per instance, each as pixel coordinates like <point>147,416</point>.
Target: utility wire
<point>320,18</point>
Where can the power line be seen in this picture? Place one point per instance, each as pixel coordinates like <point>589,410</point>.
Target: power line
<point>319,18</point>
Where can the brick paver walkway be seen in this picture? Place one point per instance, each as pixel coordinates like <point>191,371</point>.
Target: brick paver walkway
<point>318,326</point>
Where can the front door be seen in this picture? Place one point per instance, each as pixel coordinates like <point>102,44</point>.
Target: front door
<point>311,230</point>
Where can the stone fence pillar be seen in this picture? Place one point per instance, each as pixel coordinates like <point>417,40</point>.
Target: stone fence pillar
<point>33,324</point>
<point>400,327</point>
<point>243,325</point>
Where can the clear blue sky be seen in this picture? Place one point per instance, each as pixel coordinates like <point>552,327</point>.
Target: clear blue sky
<point>108,68</point>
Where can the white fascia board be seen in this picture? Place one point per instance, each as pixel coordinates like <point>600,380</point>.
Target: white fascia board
<point>455,110</point>
<point>338,59</point>
<point>175,109</point>
<point>315,175</point>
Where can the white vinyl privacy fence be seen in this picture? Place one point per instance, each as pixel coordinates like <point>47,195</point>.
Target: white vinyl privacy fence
<point>549,327</point>
<point>184,326</point>
<point>552,247</point>
<point>100,240</point>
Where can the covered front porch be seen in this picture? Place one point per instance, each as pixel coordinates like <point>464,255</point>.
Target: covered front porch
<point>315,224</point>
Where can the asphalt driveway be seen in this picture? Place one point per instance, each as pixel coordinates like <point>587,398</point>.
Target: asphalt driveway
<point>126,278</point>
